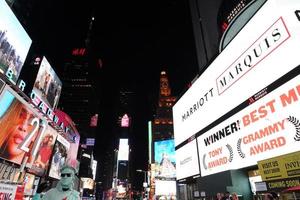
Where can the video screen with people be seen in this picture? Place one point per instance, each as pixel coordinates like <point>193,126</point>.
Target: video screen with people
<point>59,157</point>
<point>42,160</point>
<point>14,42</point>
<point>47,85</point>
<point>15,125</point>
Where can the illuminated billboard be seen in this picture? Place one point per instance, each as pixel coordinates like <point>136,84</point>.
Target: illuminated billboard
<point>72,135</point>
<point>59,157</point>
<point>47,85</point>
<point>19,124</point>
<point>187,163</point>
<point>242,109</point>
<point>42,160</point>
<point>164,157</point>
<point>87,183</point>
<point>165,188</point>
<point>123,152</point>
<point>14,43</point>
<point>94,168</point>
<point>264,129</point>
<point>29,184</point>
<point>243,68</point>
<point>125,121</point>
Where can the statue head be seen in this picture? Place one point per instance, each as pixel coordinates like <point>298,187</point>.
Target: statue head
<point>67,177</point>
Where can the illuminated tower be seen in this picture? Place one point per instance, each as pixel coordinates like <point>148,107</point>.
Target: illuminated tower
<point>163,121</point>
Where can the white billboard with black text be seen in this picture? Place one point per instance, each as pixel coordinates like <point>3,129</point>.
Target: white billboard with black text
<point>246,80</point>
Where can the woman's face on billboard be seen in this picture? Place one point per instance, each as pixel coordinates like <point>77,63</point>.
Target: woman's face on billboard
<point>18,133</point>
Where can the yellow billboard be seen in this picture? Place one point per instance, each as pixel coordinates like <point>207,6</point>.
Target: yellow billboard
<point>285,166</point>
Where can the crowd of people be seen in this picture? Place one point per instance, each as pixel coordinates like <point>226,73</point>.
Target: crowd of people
<point>234,196</point>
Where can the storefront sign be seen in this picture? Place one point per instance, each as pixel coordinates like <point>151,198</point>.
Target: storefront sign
<point>282,184</point>
<point>260,186</point>
<point>280,167</point>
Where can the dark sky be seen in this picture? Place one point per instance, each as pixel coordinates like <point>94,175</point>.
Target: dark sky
<point>135,40</point>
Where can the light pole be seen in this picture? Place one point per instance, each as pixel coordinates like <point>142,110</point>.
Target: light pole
<point>145,184</point>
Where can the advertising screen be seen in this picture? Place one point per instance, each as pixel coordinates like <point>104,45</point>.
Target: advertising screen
<point>266,128</point>
<point>42,160</point>
<point>94,168</point>
<point>123,152</point>
<point>14,43</point>
<point>165,188</point>
<point>29,183</point>
<point>264,50</point>
<point>242,108</point>
<point>164,158</point>
<point>87,183</point>
<point>47,85</point>
<point>187,161</point>
<point>8,190</point>
<point>72,134</point>
<point>59,157</point>
<point>18,124</point>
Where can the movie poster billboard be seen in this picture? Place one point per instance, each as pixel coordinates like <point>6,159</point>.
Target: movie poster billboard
<point>47,85</point>
<point>41,161</point>
<point>28,184</point>
<point>8,191</point>
<point>72,135</point>
<point>59,157</point>
<point>18,124</point>
<point>14,43</point>
<point>164,158</point>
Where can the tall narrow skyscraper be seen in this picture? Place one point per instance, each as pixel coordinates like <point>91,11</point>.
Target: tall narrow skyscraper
<point>163,121</point>
<point>79,93</point>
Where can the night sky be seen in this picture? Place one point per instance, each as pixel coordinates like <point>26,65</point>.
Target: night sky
<point>135,41</point>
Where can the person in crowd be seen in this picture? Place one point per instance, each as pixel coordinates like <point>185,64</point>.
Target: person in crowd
<point>43,157</point>
<point>234,196</point>
<point>64,188</point>
<point>271,196</point>
<point>226,196</point>
<point>219,196</point>
<point>14,127</point>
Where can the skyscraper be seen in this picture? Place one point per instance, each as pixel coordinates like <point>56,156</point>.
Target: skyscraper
<point>163,121</point>
<point>79,93</point>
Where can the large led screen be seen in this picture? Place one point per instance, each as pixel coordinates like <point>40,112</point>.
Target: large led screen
<point>28,184</point>
<point>47,85</point>
<point>14,42</point>
<point>266,128</point>
<point>72,135</point>
<point>187,163</point>
<point>265,49</point>
<point>42,160</point>
<point>123,152</point>
<point>17,123</point>
<point>164,158</point>
<point>59,157</point>
<point>165,188</point>
<point>213,109</point>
